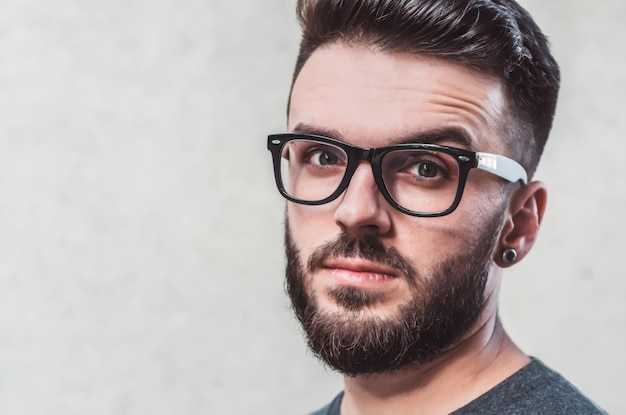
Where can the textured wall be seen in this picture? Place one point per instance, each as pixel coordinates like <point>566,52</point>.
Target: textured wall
<point>140,232</point>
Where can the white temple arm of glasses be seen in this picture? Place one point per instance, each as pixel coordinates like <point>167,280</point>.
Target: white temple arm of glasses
<point>502,166</point>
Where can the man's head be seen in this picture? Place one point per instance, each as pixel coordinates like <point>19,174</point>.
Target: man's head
<point>386,268</point>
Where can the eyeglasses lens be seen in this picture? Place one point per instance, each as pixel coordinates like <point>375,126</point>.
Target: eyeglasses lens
<point>312,170</point>
<point>421,181</point>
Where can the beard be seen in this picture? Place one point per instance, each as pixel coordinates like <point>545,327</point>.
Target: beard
<point>440,309</point>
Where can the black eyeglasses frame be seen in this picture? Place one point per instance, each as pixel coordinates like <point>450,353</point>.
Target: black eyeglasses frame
<point>466,160</point>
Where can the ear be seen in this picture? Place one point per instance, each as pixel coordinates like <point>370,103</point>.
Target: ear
<point>521,226</point>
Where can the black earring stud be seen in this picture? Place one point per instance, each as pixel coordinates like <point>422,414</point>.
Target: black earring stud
<point>509,256</point>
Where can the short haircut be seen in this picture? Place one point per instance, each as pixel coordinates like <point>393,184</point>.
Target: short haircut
<point>495,37</point>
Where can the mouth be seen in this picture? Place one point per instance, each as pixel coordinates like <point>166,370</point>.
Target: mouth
<point>358,272</point>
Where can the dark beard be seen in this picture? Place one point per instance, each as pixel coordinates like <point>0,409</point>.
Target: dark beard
<point>442,307</point>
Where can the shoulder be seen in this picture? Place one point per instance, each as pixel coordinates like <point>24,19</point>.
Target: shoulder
<point>332,408</point>
<point>535,389</point>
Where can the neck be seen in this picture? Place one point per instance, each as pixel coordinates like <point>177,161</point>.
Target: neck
<point>478,363</point>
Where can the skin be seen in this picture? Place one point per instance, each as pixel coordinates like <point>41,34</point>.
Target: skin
<point>371,99</point>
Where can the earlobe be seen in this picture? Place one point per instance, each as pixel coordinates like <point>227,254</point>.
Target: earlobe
<point>521,227</point>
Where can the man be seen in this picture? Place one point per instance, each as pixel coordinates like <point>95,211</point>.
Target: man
<point>414,129</point>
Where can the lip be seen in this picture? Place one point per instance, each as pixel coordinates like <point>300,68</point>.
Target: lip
<point>358,272</point>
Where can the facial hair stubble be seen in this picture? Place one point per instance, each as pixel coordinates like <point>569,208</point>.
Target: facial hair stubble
<point>439,310</point>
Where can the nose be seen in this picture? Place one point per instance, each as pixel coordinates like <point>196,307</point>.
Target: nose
<point>362,210</point>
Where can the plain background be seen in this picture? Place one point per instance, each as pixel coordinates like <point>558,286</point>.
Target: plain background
<point>141,260</point>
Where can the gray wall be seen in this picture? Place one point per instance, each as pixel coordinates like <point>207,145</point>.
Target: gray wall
<point>140,249</point>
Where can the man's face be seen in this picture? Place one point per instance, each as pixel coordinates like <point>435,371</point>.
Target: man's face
<point>375,289</point>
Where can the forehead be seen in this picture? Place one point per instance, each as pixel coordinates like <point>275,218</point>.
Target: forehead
<point>371,98</point>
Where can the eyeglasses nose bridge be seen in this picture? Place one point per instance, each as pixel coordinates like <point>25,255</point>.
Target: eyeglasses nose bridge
<point>359,155</point>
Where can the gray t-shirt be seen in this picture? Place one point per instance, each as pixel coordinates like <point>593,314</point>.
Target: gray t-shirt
<point>535,389</point>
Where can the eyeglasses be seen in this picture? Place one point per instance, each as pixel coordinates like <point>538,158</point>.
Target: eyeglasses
<point>425,180</point>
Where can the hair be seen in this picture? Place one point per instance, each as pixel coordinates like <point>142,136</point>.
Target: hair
<point>495,37</point>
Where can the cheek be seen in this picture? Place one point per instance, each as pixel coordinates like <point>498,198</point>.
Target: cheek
<point>483,196</point>
<point>310,226</point>
<point>427,242</point>
<point>430,242</point>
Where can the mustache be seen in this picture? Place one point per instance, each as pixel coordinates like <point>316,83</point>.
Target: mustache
<point>370,248</point>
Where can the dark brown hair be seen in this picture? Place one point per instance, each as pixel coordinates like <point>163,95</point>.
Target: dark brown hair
<point>496,37</point>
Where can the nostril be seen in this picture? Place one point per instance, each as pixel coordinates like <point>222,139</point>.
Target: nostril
<point>362,209</point>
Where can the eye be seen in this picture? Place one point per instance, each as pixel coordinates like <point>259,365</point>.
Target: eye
<point>427,169</point>
<point>323,158</point>
<point>419,166</point>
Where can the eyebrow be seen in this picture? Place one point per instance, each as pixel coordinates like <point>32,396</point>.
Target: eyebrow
<point>455,136</point>
<point>452,135</point>
<point>302,128</point>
